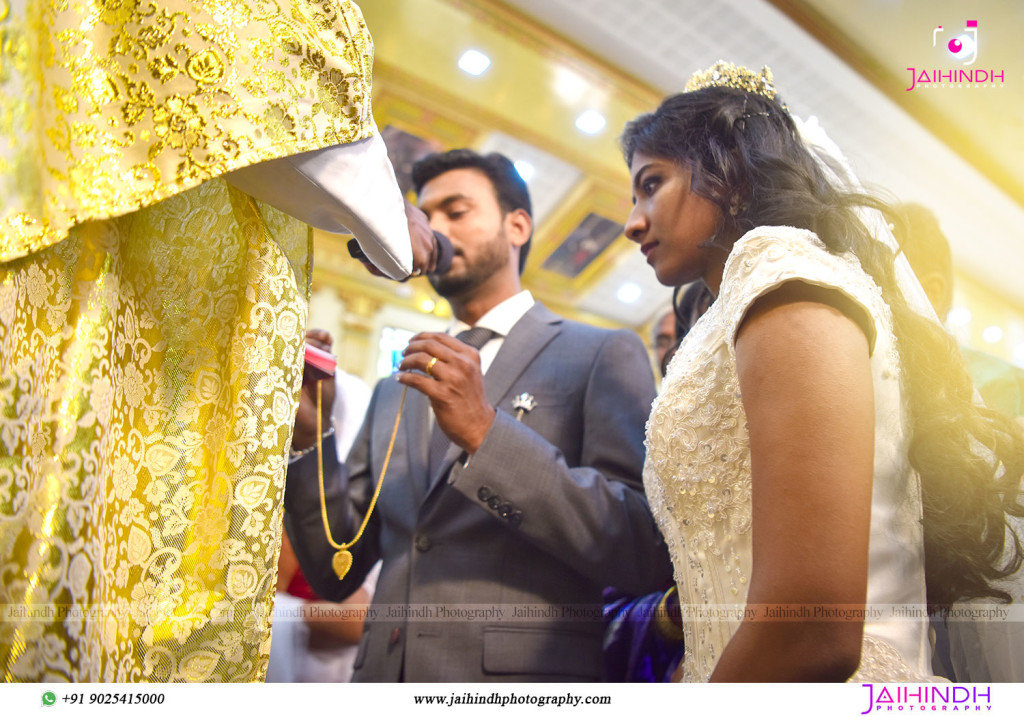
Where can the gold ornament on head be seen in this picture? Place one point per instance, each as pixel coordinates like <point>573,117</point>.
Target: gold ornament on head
<point>726,74</point>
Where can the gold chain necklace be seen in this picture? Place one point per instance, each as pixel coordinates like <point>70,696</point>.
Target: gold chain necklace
<point>342,560</point>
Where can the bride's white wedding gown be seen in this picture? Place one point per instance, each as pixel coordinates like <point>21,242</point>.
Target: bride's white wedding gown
<point>698,477</point>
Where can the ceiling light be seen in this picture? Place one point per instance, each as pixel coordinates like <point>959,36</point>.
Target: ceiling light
<point>993,334</point>
<point>590,122</point>
<point>1018,355</point>
<point>474,62</point>
<point>629,292</point>
<point>525,169</point>
<point>570,86</point>
<point>960,316</point>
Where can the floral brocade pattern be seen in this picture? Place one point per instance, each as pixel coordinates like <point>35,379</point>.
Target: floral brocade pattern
<point>698,472</point>
<point>151,323</point>
<point>111,105</point>
<point>149,376</point>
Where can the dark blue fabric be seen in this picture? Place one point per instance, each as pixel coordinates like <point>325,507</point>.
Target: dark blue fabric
<point>634,649</point>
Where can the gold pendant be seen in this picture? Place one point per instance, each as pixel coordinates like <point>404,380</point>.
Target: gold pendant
<point>341,562</point>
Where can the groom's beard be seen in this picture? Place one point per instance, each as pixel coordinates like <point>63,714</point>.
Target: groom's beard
<point>463,281</point>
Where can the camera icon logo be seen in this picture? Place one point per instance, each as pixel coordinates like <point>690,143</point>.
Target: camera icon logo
<point>963,47</point>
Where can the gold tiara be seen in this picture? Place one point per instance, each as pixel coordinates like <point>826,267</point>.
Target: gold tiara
<point>726,74</point>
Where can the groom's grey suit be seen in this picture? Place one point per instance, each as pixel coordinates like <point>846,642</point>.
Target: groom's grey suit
<point>545,514</point>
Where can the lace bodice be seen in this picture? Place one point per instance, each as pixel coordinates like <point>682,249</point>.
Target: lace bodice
<point>698,477</point>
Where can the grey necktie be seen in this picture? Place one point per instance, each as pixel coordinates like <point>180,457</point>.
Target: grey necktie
<point>476,337</point>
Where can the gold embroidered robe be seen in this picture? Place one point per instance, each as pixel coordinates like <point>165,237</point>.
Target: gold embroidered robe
<point>151,322</point>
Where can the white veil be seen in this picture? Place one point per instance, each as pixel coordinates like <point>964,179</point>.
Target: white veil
<point>830,158</point>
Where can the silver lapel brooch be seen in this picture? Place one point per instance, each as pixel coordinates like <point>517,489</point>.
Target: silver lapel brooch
<point>523,403</point>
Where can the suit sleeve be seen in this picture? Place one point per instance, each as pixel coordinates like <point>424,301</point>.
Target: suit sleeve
<point>348,489</point>
<point>593,517</point>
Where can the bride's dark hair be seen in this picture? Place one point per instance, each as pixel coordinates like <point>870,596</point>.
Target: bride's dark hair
<point>745,155</point>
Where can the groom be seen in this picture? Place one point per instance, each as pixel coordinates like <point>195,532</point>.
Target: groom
<point>513,492</point>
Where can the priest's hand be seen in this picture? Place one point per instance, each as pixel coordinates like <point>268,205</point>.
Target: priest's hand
<point>424,246</point>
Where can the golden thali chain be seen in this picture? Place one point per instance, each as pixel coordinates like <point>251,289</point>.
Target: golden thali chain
<point>342,560</point>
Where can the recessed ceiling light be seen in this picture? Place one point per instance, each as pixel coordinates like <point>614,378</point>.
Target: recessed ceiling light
<point>960,316</point>
<point>590,122</point>
<point>474,62</point>
<point>525,169</point>
<point>569,85</point>
<point>629,292</point>
<point>1018,355</point>
<point>993,334</point>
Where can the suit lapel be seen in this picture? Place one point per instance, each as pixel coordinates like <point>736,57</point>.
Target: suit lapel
<point>417,435</point>
<point>522,345</point>
<point>406,480</point>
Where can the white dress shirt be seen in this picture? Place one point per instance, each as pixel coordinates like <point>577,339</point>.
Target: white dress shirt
<point>500,320</point>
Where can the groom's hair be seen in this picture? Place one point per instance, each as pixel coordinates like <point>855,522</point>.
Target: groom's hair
<point>509,186</point>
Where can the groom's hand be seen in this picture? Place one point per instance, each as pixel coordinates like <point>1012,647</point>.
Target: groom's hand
<point>454,384</point>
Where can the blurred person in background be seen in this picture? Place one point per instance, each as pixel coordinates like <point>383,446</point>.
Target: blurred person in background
<point>969,650</point>
<point>314,640</point>
<point>1000,383</point>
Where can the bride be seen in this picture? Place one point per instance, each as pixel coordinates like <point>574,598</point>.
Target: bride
<point>816,444</point>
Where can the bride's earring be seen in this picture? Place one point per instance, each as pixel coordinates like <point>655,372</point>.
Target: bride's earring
<point>712,241</point>
<point>727,225</point>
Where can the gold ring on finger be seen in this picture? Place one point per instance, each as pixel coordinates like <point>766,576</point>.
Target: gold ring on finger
<point>430,366</point>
